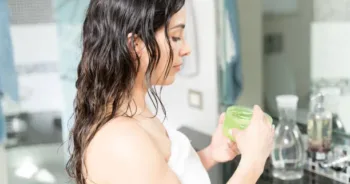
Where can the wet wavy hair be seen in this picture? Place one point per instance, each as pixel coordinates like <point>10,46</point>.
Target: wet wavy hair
<point>108,68</point>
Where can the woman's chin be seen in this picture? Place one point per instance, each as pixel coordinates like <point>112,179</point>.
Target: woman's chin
<point>168,81</point>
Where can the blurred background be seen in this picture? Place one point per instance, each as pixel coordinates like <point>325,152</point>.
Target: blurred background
<point>245,52</point>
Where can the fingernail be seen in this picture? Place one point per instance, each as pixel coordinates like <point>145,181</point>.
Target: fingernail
<point>230,131</point>
<point>257,107</point>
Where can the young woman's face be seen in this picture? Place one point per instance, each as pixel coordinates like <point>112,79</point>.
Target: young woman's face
<point>179,46</point>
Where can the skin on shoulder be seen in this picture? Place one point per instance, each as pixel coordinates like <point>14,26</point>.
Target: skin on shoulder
<point>122,150</point>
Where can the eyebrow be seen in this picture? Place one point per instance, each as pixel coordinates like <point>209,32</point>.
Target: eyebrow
<point>179,26</point>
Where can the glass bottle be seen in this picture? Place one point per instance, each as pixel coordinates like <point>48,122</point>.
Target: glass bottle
<point>289,154</point>
<point>319,127</point>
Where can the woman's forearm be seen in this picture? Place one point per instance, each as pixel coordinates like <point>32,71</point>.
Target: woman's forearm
<point>206,158</point>
<point>248,172</point>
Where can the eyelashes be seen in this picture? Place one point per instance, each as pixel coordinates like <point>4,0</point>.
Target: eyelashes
<point>176,39</point>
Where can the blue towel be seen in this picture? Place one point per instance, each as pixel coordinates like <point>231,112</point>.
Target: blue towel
<point>8,75</point>
<point>70,12</point>
<point>232,80</point>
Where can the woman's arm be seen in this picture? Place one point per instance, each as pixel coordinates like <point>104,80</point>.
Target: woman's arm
<point>206,158</point>
<point>248,171</point>
<point>255,144</point>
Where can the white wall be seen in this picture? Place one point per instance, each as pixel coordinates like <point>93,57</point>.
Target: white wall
<point>330,50</point>
<point>326,10</point>
<point>295,29</point>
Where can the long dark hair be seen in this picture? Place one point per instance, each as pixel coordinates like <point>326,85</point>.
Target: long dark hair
<point>107,70</point>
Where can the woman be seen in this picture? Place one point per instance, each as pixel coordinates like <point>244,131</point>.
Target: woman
<point>128,47</point>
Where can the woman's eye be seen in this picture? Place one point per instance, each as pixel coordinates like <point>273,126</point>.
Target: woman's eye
<point>175,39</point>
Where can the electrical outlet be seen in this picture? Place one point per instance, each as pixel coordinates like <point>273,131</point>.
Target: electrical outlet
<point>195,99</point>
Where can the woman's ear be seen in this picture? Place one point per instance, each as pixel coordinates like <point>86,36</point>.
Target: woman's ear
<point>135,44</point>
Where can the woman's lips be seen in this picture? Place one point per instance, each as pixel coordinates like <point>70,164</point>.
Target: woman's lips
<point>178,67</point>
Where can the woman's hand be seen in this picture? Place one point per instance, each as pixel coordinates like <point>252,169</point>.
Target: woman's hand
<point>255,143</point>
<point>222,148</point>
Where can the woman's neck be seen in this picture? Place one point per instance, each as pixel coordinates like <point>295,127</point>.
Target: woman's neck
<point>136,105</point>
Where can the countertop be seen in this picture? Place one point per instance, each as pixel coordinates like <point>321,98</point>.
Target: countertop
<point>3,165</point>
<point>308,178</point>
<point>41,138</point>
<point>267,178</point>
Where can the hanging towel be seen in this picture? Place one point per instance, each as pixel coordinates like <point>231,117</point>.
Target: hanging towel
<point>231,70</point>
<point>70,12</point>
<point>8,75</point>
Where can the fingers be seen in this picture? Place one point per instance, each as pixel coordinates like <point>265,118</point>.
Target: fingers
<point>272,128</point>
<point>230,144</point>
<point>269,124</point>
<point>234,132</point>
<point>231,153</point>
<point>258,114</point>
<point>272,143</point>
<point>232,147</point>
<point>222,118</point>
<point>272,137</point>
<point>266,120</point>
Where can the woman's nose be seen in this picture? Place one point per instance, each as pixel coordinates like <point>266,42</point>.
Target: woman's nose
<point>185,50</point>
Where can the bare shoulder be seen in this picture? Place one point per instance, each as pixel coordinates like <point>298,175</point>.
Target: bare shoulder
<point>120,135</point>
<point>121,127</point>
<point>122,148</point>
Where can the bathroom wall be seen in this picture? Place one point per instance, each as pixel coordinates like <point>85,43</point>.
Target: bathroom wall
<point>295,31</point>
<point>330,40</point>
<point>325,10</point>
<point>250,14</point>
<point>330,50</point>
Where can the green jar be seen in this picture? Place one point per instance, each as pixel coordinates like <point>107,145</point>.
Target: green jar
<point>238,117</point>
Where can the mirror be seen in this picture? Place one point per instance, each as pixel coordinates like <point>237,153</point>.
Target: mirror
<point>306,51</point>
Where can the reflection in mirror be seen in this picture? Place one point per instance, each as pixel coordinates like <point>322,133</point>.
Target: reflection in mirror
<point>307,52</point>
